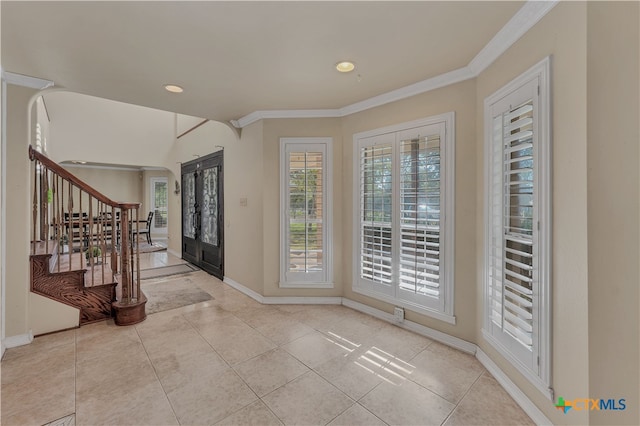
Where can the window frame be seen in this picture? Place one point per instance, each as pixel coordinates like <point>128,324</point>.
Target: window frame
<point>307,144</point>
<point>445,309</point>
<point>542,237</point>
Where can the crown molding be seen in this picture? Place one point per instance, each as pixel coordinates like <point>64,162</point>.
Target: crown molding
<point>524,19</point>
<point>26,80</point>
<point>518,25</point>
<point>442,80</point>
<point>286,113</point>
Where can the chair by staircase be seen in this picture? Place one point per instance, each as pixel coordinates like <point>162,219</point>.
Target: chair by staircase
<point>144,231</point>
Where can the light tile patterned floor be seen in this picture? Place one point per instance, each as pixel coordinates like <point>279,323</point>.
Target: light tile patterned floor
<point>232,361</point>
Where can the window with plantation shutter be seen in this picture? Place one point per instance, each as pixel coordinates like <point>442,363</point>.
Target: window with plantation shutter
<point>403,179</point>
<point>376,209</point>
<point>305,240</point>
<point>517,257</point>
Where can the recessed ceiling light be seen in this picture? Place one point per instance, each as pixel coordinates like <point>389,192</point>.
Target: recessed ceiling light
<point>79,162</point>
<point>173,88</point>
<point>345,66</point>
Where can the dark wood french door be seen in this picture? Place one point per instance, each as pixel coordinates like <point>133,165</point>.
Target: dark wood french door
<point>203,213</point>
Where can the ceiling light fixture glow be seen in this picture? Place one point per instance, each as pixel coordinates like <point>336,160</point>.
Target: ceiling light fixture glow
<point>345,66</point>
<point>173,88</point>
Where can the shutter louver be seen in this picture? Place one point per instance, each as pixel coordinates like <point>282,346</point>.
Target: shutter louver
<point>420,215</point>
<point>518,224</point>
<point>305,212</point>
<point>516,291</point>
<point>375,214</point>
<point>495,218</point>
<point>404,176</point>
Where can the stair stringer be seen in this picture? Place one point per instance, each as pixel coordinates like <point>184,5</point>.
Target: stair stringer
<point>68,287</point>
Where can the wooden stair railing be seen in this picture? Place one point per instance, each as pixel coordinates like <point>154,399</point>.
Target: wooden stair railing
<point>77,222</point>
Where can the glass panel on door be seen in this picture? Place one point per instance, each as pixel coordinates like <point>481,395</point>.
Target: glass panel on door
<point>189,205</point>
<point>210,206</point>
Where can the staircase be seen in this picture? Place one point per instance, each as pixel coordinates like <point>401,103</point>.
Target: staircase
<point>83,253</point>
<point>70,286</point>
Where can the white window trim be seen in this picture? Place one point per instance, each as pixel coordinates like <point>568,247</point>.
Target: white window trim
<point>327,219</point>
<point>541,71</point>
<point>448,251</point>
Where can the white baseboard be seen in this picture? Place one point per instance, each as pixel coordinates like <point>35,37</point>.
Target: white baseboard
<point>282,300</point>
<point>302,300</point>
<point>245,290</point>
<point>19,340</point>
<point>439,336</point>
<point>514,391</point>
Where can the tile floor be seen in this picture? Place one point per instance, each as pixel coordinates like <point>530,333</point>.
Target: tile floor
<point>233,361</point>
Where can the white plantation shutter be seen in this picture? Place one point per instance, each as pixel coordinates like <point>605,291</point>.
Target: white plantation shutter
<point>512,217</point>
<point>420,215</point>
<point>518,223</point>
<point>401,185</point>
<point>517,226</point>
<point>376,198</point>
<point>305,223</point>
<point>305,211</point>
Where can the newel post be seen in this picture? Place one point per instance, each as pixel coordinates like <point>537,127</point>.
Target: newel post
<point>129,309</point>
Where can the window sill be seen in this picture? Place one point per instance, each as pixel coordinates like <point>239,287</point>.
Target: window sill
<point>423,310</point>
<point>305,285</point>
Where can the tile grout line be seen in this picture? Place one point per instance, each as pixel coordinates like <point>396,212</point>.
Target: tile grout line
<point>228,365</point>
<point>155,373</point>
<point>278,347</point>
<point>339,390</point>
<point>462,398</point>
<point>310,369</point>
<point>234,370</point>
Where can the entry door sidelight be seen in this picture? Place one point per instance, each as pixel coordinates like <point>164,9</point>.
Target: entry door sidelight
<point>203,213</point>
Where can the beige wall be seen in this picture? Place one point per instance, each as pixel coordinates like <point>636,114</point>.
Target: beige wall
<point>185,123</point>
<point>613,112</point>
<point>562,33</point>
<point>117,184</point>
<point>46,315</point>
<point>107,132</point>
<point>461,99</point>
<point>18,168</point>
<point>2,258</point>
<point>243,174</point>
<point>273,131</point>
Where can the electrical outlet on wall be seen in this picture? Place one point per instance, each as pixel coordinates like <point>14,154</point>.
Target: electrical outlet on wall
<point>398,313</point>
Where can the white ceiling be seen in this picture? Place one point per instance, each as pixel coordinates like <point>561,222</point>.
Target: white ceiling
<point>234,58</point>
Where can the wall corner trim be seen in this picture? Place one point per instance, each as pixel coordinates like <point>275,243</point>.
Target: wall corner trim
<point>514,392</point>
<point>19,340</point>
<point>26,80</point>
